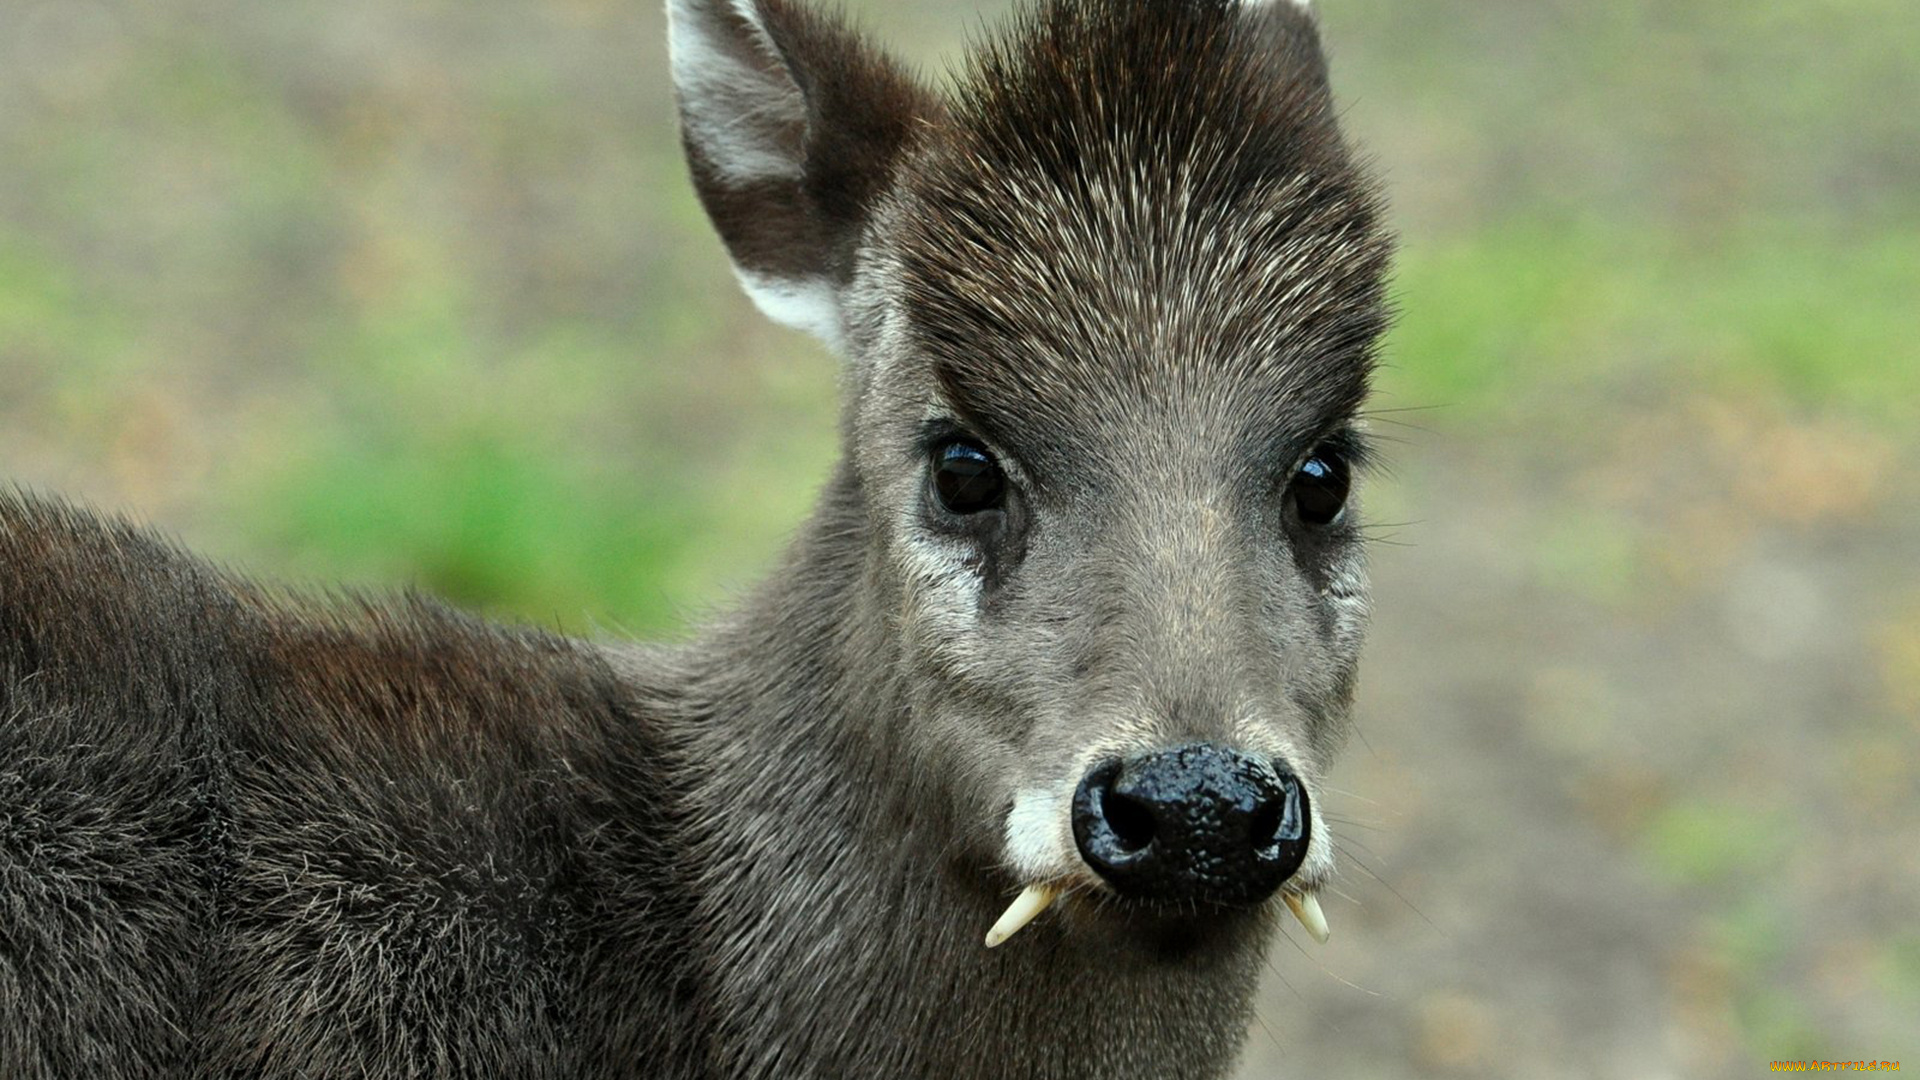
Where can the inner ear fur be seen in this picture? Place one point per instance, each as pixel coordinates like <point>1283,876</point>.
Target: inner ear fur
<point>794,126</point>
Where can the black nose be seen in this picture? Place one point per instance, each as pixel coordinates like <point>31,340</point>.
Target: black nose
<point>1193,823</point>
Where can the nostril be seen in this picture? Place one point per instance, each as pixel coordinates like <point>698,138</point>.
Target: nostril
<point>1264,829</point>
<point>1277,828</point>
<point>1130,819</point>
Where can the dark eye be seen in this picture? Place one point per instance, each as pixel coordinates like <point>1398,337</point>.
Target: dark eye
<point>1319,489</point>
<point>967,479</point>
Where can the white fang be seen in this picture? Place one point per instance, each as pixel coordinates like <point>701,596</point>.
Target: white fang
<point>1025,908</point>
<point>1306,908</point>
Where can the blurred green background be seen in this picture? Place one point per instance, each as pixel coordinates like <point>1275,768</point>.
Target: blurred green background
<point>417,293</point>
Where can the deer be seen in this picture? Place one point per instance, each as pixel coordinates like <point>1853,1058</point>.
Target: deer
<point>1014,764</point>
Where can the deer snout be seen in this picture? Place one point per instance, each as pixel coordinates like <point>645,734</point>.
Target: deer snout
<point>1197,822</point>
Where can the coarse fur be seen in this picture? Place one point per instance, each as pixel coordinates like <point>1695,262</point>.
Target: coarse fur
<point>247,834</point>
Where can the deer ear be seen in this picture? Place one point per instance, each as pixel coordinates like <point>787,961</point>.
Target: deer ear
<point>793,127</point>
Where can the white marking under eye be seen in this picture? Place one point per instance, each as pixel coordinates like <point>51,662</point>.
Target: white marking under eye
<point>1348,582</point>
<point>944,604</point>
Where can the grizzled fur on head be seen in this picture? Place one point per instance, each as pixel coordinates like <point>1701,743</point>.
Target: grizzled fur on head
<point>1146,199</point>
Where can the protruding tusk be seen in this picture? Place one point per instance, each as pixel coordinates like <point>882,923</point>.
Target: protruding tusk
<point>1024,909</point>
<point>1306,908</point>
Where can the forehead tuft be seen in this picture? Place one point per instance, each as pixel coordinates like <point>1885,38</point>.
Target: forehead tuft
<point>1134,202</point>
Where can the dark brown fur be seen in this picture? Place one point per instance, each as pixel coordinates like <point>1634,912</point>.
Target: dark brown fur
<point>248,836</point>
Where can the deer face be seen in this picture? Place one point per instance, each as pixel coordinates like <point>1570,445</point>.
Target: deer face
<point>1109,312</point>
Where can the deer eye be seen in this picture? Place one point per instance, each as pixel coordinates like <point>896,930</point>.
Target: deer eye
<point>1319,489</point>
<point>967,479</point>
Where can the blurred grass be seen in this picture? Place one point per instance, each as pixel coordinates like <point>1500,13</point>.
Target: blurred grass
<point>1527,311</point>
<point>1703,842</point>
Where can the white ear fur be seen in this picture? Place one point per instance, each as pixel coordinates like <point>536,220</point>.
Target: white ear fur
<point>811,304</point>
<point>745,116</point>
<point>738,101</point>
